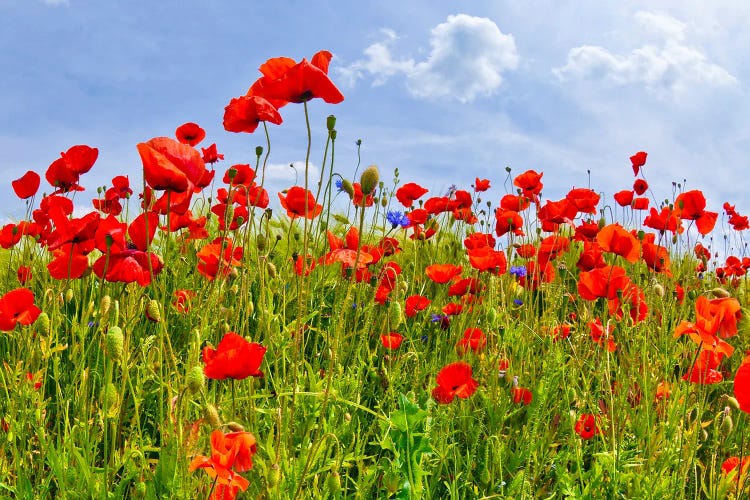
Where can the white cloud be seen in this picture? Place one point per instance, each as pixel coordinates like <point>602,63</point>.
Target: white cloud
<point>278,173</point>
<point>673,65</point>
<point>467,60</point>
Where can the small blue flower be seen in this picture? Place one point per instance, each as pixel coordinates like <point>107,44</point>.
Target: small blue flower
<point>518,302</point>
<point>425,338</point>
<point>339,185</point>
<point>518,271</point>
<point>397,218</point>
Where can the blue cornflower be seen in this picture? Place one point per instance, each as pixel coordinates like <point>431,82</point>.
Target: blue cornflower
<point>339,185</point>
<point>518,271</point>
<point>397,218</point>
<point>518,302</point>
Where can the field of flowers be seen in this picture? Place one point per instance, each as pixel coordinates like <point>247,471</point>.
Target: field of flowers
<point>180,339</point>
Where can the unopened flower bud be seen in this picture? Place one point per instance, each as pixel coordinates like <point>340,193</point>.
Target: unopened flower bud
<point>347,186</point>
<point>212,416</point>
<point>271,268</point>
<point>273,478</point>
<point>42,322</point>
<point>104,305</point>
<point>114,342</point>
<point>152,311</point>
<point>260,242</point>
<point>659,290</point>
<point>395,314</point>
<point>69,295</point>
<point>196,379</point>
<point>333,483</point>
<point>731,401</point>
<point>726,423</point>
<point>720,293</point>
<point>250,308</point>
<point>369,179</point>
<point>235,427</point>
<point>258,150</point>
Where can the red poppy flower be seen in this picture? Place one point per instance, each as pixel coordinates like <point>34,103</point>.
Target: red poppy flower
<point>168,164</point>
<point>234,358</point>
<point>128,266</point>
<point>454,380</point>
<point>437,205</point>
<point>65,172</point>
<point>452,309</point>
<point>299,202</point>
<point>414,304</point>
<point>614,238</point>
<point>704,370</point>
<point>655,256</point>
<point>17,307</point>
<point>211,155</point>
<point>691,205</point>
<point>190,133</point>
<point>479,240</point>
<point>182,300</point>
<point>69,262</point>
<point>640,203</point>
<point>587,426</point>
<point>599,335</point>
<point>624,198</point>
<point>391,340</point>
<point>27,185</point>
<point>302,82</point>
<point>586,231</point>
<point>409,193</point>
<point>488,259</point>
<point>521,395</point>
<point>666,220</point>
<point>584,199</point>
<point>481,185</point>
<point>632,295</point>
<point>530,183</point>
<point>508,221</point>
<point>742,384</point>
<point>514,202</point>
<point>442,273</point>
<point>526,251</point>
<point>640,186</point>
<point>230,454</point>
<point>602,282</point>
<point>244,114</point>
<point>464,286</point>
<point>219,255</point>
<point>638,160</point>
<point>24,274</point>
<point>474,339</point>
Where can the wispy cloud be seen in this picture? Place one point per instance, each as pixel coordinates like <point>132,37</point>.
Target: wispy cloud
<point>671,66</point>
<point>467,59</point>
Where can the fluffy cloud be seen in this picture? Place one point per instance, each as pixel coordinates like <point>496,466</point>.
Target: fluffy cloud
<point>671,65</point>
<point>467,60</point>
<point>293,174</point>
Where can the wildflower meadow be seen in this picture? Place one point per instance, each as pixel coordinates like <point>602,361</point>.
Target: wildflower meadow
<point>189,336</point>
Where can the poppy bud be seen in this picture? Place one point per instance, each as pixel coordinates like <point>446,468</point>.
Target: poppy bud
<point>250,308</point>
<point>110,399</point>
<point>331,122</point>
<point>369,179</point>
<point>333,135</point>
<point>140,490</point>
<point>726,423</point>
<point>235,427</point>
<point>69,295</point>
<point>42,322</point>
<point>258,150</point>
<point>346,186</point>
<point>333,483</point>
<point>348,417</point>
<point>395,314</point>
<point>271,268</point>
<point>658,289</point>
<point>114,343</point>
<point>196,380</point>
<point>212,416</point>
<point>273,478</point>
<point>384,202</point>
<point>104,305</point>
<point>260,242</point>
<point>720,293</point>
<point>152,311</point>
<point>492,315</point>
<point>733,402</point>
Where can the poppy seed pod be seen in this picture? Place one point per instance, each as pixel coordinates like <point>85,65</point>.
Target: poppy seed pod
<point>235,427</point>
<point>720,293</point>
<point>369,179</point>
<point>258,150</point>
<point>331,122</point>
<point>273,478</point>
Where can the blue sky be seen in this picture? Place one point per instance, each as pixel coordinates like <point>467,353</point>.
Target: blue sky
<point>444,91</point>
